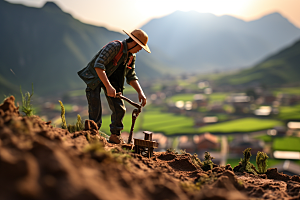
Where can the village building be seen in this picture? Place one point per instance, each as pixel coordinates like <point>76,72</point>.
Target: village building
<point>240,102</point>
<point>242,142</point>
<point>206,142</point>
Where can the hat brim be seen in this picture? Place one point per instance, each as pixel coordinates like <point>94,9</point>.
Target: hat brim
<point>145,47</point>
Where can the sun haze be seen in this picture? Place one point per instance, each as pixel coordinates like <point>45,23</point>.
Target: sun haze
<point>120,14</point>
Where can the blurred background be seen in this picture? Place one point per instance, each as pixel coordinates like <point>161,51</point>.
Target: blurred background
<point>223,75</point>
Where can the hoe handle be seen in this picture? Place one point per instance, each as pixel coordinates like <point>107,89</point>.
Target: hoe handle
<point>119,95</point>
<point>135,113</point>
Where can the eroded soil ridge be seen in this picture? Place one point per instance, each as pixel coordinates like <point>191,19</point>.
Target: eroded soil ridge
<point>39,161</point>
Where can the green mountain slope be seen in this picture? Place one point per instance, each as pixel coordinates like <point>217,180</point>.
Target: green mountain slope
<point>281,68</point>
<point>46,47</point>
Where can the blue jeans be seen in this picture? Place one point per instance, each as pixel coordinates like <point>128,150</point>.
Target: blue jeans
<point>116,105</point>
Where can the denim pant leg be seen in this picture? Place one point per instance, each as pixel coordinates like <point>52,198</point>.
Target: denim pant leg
<point>94,103</point>
<point>118,112</point>
<point>118,109</point>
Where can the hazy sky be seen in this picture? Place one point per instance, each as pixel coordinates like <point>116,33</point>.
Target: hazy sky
<point>129,14</point>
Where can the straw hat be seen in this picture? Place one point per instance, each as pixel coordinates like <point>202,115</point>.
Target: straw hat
<point>140,37</point>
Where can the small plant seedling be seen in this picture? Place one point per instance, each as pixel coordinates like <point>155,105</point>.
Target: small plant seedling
<point>182,151</point>
<point>261,162</point>
<point>207,163</point>
<point>71,128</point>
<point>63,118</point>
<point>244,164</point>
<point>79,125</point>
<point>171,150</point>
<point>196,161</point>
<point>26,102</point>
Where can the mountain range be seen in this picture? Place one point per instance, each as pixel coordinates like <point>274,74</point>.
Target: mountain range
<point>204,42</point>
<point>46,46</point>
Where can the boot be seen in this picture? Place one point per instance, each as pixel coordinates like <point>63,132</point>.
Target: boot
<point>117,139</point>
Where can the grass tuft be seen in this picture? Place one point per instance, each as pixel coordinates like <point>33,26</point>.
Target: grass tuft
<point>26,102</point>
<point>79,124</point>
<point>71,128</point>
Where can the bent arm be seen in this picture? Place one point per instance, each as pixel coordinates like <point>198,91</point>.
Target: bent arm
<point>142,98</point>
<point>109,88</point>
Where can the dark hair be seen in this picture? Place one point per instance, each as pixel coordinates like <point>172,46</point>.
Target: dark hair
<point>128,40</point>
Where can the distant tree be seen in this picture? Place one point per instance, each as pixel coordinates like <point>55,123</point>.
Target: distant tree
<point>251,93</point>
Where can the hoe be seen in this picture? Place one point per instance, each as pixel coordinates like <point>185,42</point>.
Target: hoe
<point>146,146</point>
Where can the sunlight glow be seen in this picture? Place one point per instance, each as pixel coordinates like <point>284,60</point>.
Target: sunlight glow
<point>217,7</point>
<point>136,13</point>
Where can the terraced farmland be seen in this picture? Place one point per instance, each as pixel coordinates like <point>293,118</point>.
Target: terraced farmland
<point>170,124</point>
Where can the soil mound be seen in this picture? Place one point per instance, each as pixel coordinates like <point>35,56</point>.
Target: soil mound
<point>182,164</point>
<point>39,161</point>
<point>166,157</point>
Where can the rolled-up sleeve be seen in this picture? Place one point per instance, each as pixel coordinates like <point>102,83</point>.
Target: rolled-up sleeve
<point>107,54</point>
<point>131,75</point>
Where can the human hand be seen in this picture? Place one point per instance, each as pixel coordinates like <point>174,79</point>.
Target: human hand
<point>111,91</point>
<point>142,98</point>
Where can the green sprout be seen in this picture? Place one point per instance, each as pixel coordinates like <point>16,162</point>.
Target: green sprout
<point>63,118</point>
<point>26,105</point>
<point>244,164</point>
<point>79,124</point>
<point>71,128</point>
<point>261,162</point>
<point>207,163</point>
<point>171,150</point>
<point>182,151</point>
<point>77,127</point>
<point>196,161</point>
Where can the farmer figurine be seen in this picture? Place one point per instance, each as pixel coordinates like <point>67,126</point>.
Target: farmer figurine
<point>107,70</point>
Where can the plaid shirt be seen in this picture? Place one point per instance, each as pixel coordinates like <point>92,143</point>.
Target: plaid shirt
<point>104,60</point>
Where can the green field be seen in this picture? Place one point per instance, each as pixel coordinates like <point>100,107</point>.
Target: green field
<point>265,138</point>
<point>126,121</point>
<point>290,90</point>
<point>217,97</point>
<point>287,144</point>
<point>167,123</point>
<point>241,125</point>
<point>289,112</point>
<point>155,121</point>
<point>183,97</point>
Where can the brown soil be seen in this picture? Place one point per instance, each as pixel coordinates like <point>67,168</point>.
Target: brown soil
<point>39,161</point>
